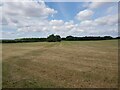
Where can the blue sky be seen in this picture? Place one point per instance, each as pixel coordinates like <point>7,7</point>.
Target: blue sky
<point>66,10</point>
<point>33,19</point>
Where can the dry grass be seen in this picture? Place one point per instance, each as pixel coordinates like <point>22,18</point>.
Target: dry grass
<point>82,64</point>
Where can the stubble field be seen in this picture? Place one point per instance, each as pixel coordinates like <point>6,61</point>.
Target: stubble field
<point>73,64</point>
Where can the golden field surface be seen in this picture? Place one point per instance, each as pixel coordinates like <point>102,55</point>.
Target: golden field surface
<point>66,64</point>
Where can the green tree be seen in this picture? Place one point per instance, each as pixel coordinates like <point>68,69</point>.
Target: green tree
<point>53,38</point>
<point>58,38</point>
<point>70,38</point>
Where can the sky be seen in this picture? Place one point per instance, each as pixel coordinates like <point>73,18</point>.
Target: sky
<point>40,19</point>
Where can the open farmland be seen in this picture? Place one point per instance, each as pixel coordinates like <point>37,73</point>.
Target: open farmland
<point>73,64</point>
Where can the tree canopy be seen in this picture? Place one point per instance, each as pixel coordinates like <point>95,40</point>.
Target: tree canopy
<point>53,38</point>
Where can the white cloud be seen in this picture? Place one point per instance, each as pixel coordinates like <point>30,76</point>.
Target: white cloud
<point>112,9</point>
<point>51,27</point>
<point>84,15</point>
<point>107,20</point>
<point>32,17</point>
<point>106,25</point>
<point>94,5</point>
<point>88,23</point>
<point>14,12</point>
<point>56,22</point>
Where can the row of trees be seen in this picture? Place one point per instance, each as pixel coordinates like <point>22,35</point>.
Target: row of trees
<point>71,38</point>
<point>57,38</point>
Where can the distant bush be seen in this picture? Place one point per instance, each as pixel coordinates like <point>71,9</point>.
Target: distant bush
<point>53,38</point>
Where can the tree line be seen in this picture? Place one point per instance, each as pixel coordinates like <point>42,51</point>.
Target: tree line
<point>57,38</point>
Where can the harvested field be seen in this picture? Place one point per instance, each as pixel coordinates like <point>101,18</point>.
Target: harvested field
<point>73,64</point>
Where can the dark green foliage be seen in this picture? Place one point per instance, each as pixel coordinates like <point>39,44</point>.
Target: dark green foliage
<point>117,37</point>
<point>53,38</point>
<point>24,40</point>
<point>9,41</point>
<point>107,37</point>
<point>57,38</point>
<point>71,38</point>
<point>31,39</point>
